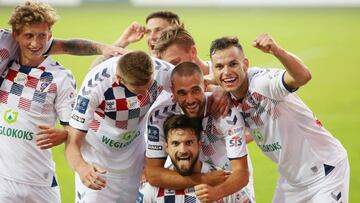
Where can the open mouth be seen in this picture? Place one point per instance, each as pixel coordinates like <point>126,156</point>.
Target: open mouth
<point>229,81</point>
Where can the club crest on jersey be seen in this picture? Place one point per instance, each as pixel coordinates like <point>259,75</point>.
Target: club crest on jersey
<point>21,78</point>
<point>132,103</point>
<point>10,116</point>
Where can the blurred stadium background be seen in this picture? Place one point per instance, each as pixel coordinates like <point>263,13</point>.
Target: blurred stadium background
<point>324,33</point>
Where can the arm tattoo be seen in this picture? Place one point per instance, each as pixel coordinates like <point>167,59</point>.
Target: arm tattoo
<point>80,47</point>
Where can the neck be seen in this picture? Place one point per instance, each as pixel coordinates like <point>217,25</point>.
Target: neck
<point>197,167</point>
<point>31,62</point>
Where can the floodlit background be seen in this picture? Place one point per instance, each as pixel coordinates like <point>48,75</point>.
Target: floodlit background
<point>324,34</point>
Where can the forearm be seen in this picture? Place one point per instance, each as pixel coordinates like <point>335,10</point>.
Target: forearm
<point>80,47</point>
<point>72,149</point>
<point>298,73</point>
<point>236,181</point>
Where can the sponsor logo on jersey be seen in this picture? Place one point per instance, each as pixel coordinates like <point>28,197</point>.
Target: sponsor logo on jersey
<point>20,78</point>
<point>235,141</point>
<point>234,131</point>
<point>110,105</point>
<point>154,147</point>
<point>132,103</point>
<point>81,104</point>
<point>270,147</point>
<point>10,116</point>
<point>258,136</point>
<point>128,137</point>
<point>16,133</point>
<point>78,118</point>
<point>153,134</point>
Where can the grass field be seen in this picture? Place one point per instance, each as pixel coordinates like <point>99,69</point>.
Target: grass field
<point>326,39</point>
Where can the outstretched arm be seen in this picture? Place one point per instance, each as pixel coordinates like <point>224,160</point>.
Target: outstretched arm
<point>297,74</point>
<point>159,176</point>
<point>82,47</point>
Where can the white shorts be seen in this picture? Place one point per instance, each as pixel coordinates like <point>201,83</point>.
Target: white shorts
<point>333,188</point>
<point>119,189</point>
<point>11,192</point>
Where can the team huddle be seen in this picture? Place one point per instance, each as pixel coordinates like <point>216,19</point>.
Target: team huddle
<point>163,126</point>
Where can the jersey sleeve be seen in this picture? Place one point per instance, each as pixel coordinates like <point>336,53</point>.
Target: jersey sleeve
<point>163,73</point>
<point>270,83</point>
<point>65,99</point>
<point>233,128</point>
<point>88,99</point>
<point>155,139</point>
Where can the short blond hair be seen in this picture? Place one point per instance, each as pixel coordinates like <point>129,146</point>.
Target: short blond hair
<point>173,35</point>
<point>32,12</point>
<point>136,67</point>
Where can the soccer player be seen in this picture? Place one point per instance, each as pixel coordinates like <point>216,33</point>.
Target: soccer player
<point>222,139</point>
<point>156,22</point>
<point>35,91</point>
<point>183,145</point>
<point>106,144</point>
<point>313,165</point>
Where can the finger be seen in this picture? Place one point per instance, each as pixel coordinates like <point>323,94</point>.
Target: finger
<point>43,127</point>
<point>42,137</point>
<point>47,146</point>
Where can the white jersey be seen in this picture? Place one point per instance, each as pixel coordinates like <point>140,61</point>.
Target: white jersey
<point>112,115</point>
<point>9,49</point>
<point>32,96</point>
<point>222,139</point>
<point>151,194</point>
<point>286,130</point>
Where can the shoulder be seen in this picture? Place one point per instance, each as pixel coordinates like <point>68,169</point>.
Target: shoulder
<point>160,65</point>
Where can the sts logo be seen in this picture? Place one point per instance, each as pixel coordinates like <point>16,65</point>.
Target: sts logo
<point>235,141</point>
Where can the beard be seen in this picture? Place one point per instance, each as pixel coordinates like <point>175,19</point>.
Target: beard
<point>187,171</point>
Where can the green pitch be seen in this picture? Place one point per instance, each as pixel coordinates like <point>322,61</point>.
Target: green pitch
<point>326,39</point>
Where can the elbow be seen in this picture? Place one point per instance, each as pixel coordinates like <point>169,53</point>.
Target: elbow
<point>304,79</point>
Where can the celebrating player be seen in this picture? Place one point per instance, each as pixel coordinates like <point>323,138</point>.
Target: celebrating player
<point>313,165</point>
<point>106,144</point>
<point>182,143</point>
<point>35,91</point>
<point>222,139</point>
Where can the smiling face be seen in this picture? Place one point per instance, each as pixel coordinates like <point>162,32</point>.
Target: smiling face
<point>154,27</point>
<point>188,92</point>
<point>182,147</point>
<point>32,40</point>
<point>230,68</point>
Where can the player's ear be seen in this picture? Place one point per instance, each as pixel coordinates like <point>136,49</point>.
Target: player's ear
<point>193,51</point>
<point>166,147</point>
<point>245,62</point>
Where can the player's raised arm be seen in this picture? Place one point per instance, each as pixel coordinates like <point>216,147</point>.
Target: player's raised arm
<point>297,74</point>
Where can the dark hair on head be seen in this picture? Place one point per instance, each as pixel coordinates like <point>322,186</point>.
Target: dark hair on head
<point>224,43</point>
<point>182,122</point>
<point>186,68</point>
<point>169,16</point>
